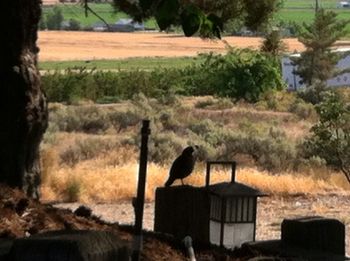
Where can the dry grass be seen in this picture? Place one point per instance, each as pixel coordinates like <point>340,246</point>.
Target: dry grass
<point>101,182</point>
<point>108,171</point>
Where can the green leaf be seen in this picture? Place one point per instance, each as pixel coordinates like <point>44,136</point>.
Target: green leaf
<point>166,13</point>
<point>145,4</point>
<point>218,25</point>
<point>206,28</point>
<point>216,21</point>
<point>191,20</point>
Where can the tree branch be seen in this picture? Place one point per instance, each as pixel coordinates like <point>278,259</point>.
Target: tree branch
<point>88,9</point>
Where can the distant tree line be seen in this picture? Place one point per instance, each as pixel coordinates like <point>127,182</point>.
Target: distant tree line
<point>54,20</point>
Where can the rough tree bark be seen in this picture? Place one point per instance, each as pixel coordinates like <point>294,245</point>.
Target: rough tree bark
<point>23,108</point>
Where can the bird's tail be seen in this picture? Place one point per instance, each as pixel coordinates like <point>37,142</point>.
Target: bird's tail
<point>169,181</point>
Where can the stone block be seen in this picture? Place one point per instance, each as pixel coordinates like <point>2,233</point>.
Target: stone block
<point>79,245</point>
<point>315,233</point>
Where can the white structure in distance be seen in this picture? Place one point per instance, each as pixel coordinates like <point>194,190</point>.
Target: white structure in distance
<point>294,82</point>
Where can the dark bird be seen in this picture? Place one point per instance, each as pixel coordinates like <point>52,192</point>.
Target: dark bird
<point>182,166</point>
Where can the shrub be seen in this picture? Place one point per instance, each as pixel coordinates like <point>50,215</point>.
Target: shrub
<point>73,189</point>
<point>85,149</point>
<point>240,74</point>
<point>330,139</point>
<point>89,119</point>
<point>71,85</point>
<point>273,44</point>
<point>54,19</point>
<point>165,147</point>
<point>73,25</point>
<point>270,148</point>
<point>277,101</point>
<point>314,93</point>
<point>303,110</point>
<point>270,152</point>
<point>123,120</point>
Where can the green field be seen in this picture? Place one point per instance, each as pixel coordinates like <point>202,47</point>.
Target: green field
<point>310,4</point>
<point>106,11</point>
<point>306,15</point>
<point>301,11</point>
<point>124,64</point>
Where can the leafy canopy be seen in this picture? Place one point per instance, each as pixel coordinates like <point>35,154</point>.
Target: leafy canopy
<point>200,16</point>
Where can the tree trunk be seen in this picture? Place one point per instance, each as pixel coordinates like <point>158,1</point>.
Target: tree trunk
<point>23,108</point>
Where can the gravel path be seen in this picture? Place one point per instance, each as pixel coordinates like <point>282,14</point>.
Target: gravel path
<point>271,212</point>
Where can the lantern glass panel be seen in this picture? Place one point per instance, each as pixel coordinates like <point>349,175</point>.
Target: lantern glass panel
<point>239,210</point>
<point>230,210</point>
<point>245,209</point>
<point>251,209</point>
<point>236,234</point>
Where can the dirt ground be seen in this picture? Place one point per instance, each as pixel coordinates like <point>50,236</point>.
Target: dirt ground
<point>61,46</point>
<point>271,212</point>
<point>22,217</point>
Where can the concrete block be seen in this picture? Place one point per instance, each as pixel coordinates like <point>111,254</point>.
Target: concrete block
<point>315,233</point>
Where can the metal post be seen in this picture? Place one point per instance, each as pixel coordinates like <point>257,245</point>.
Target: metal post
<point>233,172</point>
<point>140,199</point>
<point>207,177</point>
<point>188,244</point>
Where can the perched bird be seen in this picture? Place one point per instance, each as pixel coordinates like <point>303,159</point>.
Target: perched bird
<point>182,166</point>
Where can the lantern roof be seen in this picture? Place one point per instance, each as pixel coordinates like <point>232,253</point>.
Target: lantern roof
<point>229,189</point>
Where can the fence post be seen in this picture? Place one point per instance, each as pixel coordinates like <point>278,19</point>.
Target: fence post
<point>140,199</point>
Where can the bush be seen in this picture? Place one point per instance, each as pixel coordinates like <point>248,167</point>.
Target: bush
<point>269,149</point>
<point>73,25</point>
<point>165,147</point>
<point>277,101</point>
<point>88,119</point>
<point>42,23</point>
<point>69,86</point>
<point>303,110</point>
<point>85,149</point>
<point>123,120</point>
<point>73,189</point>
<point>330,139</point>
<point>54,19</point>
<point>313,94</point>
<point>241,74</point>
<point>272,152</point>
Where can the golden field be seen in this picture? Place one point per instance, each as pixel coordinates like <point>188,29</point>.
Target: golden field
<point>63,45</point>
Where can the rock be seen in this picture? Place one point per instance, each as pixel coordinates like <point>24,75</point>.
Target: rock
<point>79,245</point>
<point>83,211</point>
<point>21,205</point>
<point>315,233</point>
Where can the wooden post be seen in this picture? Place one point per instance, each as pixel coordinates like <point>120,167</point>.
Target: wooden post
<point>140,199</point>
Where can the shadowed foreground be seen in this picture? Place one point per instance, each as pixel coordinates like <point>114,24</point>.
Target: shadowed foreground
<point>22,217</point>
